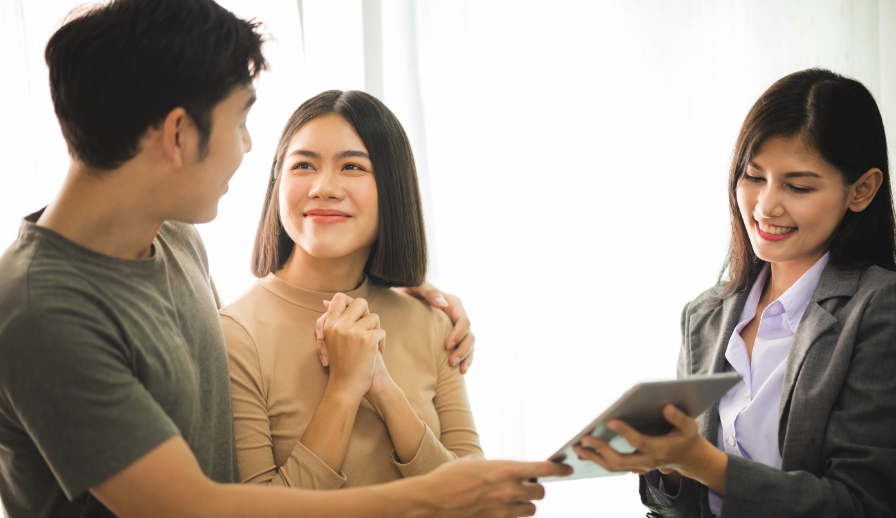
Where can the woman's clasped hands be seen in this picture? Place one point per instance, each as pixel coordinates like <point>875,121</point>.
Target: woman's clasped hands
<point>351,343</point>
<point>681,452</point>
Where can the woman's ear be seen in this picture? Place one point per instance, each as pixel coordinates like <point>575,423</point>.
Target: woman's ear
<point>862,192</point>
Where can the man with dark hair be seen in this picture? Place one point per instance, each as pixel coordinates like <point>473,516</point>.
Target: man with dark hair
<point>114,388</point>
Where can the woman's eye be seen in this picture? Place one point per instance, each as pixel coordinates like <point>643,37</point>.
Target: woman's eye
<point>301,165</point>
<point>800,190</point>
<point>353,167</point>
<point>750,178</point>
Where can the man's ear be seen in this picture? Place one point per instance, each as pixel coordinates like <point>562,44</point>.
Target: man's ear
<point>862,192</point>
<point>172,134</point>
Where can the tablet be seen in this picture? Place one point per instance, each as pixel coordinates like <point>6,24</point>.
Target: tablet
<point>641,407</point>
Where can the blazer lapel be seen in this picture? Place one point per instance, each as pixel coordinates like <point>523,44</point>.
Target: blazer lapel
<point>816,321</point>
<point>708,335</point>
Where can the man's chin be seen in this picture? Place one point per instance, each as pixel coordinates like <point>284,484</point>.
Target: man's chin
<point>199,217</point>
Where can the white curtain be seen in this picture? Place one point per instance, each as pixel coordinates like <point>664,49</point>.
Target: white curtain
<point>572,154</point>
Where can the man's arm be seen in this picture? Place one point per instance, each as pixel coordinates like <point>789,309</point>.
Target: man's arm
<point>168,482</point>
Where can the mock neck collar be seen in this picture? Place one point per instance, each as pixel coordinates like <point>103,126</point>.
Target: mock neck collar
<point>311,300</point>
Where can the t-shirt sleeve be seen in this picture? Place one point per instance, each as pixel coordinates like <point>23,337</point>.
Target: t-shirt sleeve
<point>69,381</point>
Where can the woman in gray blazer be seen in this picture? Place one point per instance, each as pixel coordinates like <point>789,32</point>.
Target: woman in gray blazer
<point>807,315</point>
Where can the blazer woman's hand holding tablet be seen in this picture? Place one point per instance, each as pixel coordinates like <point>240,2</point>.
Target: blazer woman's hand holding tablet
<point>683,451</point>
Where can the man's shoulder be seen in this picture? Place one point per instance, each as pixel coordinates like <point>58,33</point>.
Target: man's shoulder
<point>184,238</point>
<point>36,277</point>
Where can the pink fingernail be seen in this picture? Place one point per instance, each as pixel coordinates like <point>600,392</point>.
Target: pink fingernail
<point>319,334</point>
<point>327,304</point>
<point>440,300</point>
<point>324,360</point>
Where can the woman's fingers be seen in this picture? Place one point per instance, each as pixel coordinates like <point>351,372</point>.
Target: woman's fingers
<point>679,419</point>
<point>353,312</point>
<point>322,353</point>
<point>369,321</point>
<point>342,301</point>
<point>614,461</point>
<point>634,438</point>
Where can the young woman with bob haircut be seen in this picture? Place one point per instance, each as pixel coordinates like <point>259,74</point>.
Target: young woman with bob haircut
<point>322,398</point>
<point>807,315</point>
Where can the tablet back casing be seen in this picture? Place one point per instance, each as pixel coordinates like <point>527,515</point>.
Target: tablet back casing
<point>641,407</point>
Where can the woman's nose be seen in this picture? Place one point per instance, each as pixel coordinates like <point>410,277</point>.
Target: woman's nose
<point>768,203</point>
<point>326,186</point>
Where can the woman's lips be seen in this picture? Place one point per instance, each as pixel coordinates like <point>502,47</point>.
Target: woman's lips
<point>327,216</point>
<point>772,232</point>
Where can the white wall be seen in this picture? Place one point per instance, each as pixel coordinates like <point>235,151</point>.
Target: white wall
<point>574,153</point>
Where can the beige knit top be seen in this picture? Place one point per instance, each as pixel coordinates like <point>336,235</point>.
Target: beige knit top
<point>277,382</point>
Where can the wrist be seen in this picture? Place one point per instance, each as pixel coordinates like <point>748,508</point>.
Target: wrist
<point>409,498</point>
<point>708,467</point>
<point>386,396</point>
<point>339,395</point>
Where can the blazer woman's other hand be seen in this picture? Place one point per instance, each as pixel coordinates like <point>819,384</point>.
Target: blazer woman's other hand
<point>683,451</point>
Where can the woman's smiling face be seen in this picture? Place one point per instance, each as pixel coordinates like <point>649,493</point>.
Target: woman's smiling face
<point>328,196</point>
<point>791,201</point>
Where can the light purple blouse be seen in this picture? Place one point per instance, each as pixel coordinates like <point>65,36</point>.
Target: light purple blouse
<point>748,413</point>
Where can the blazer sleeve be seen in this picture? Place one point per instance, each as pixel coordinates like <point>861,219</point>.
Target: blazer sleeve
<point>458,437</point>
<point>859,478</point>
<point>252,426</point>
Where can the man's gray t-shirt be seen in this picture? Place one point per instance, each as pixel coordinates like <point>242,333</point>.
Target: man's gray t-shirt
<point>102,360</point>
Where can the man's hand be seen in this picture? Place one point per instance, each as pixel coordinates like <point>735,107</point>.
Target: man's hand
<point>460,339</point>
<point>486,488</point>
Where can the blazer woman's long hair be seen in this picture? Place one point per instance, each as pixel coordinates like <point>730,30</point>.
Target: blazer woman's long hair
<point>838,118</point>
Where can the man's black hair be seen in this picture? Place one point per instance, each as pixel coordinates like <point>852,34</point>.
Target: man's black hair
<point>120,68</point>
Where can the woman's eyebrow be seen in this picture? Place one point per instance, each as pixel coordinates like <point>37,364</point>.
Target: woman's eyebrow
<point>304,152</point>
<point>792,174</point>
<point>802,174</point>
<point>352,153</point>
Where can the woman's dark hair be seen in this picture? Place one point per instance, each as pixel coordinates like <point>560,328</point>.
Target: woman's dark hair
<point>120,68</point>
<point>398,257</point>
<point>838,118</point>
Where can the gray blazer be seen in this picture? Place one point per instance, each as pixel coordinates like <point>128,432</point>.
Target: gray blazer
<point>837,433</point>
